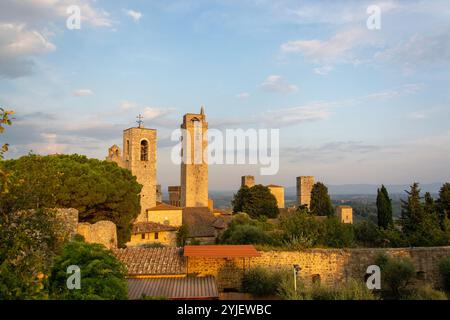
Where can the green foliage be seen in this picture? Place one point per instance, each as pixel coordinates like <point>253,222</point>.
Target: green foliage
<point>102,275</point>
<point>427,293</point>
<point>245,230</point>
<point>29,241</point>
<point>443,204</point>
<point>397,274</point>
<point>257,201</point>
<point>5,119</point>
<point>99,190</point>
<point>320,201</point>
<point>444,270</point>
<point>384,208</point>
<point>261,282</point>
<point>182,235</point>
<point>337,234</point>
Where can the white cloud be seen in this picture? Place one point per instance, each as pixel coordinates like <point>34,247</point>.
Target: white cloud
<point>243,95</point>
<point>333,48</point>
<point>153,113</point>
<point>127,105</point>
<point>18,46</point>
<point>136,15</point>
<point>83,93</point>
<point>292,116</point>
<point>276,83</point>
<point>323,70</point>
<point>419,50</point>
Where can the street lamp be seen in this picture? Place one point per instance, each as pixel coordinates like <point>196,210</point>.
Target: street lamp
<point>297,269</point>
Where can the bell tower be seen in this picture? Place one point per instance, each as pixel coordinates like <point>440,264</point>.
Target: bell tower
<point>194,166</point>
<point>139,156</point>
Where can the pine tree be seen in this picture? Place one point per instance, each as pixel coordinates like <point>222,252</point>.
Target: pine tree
<point>240,198</point>
<point>412,210</point>
<point>384,208</point>
<point>443,203</point>
<point>321,201</point>
<point>430,210</point>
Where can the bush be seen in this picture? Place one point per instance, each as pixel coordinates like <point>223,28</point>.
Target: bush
<point>427,293</point>
<point>261,282</point>
<point>245,230</point>
<point>102,275</point>
<point>396,275</point>
<point>337,234</point>
<point>444,270</point>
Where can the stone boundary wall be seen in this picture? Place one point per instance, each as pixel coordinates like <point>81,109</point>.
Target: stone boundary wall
<point>331,266</point>
<point>103,232</point>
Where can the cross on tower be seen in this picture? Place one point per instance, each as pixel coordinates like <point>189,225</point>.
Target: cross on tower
<point>139,121</point>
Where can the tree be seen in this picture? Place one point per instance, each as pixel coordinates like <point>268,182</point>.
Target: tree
<point>29,241</point>
<point>412,210</point>
<point>321,201</point>
<point>102,274</point>
<point>257,201</point>
<point>99,190</point>
<point>384,208</point>
<point>397,274</point>
<point>242,197</point>
<point>443,204</point>
<point>5,119</point>
<point>182,235</point>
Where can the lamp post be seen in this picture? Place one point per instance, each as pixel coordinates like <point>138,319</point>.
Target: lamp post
<point>297,269</point>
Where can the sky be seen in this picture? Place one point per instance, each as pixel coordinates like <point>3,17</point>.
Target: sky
<point>353,104</point>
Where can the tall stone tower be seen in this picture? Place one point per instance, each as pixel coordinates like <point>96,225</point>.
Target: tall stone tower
<point>248,181</point>
<point>139,156</point>
<point>194,166</point>
<point>304,187</point>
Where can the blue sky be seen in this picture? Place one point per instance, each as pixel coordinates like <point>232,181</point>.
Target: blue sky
<point>353,105</point>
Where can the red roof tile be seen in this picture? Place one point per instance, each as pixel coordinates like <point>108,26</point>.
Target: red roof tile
<point>221,251</point>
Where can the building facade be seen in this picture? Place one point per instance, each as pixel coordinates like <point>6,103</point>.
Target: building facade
<point>304,188</point>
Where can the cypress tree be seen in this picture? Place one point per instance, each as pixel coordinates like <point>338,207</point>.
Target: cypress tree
<point>412,210</point>
<point>321,201</point>
<point>384,208</point>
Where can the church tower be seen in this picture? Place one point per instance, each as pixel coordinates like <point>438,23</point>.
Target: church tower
<point>194,166</point>
<point>139,156</point>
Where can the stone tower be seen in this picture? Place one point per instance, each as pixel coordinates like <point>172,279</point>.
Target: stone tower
<point>139,156</point>
<point>194,166</point>
<point>248,181</point>
<point>304,187</point>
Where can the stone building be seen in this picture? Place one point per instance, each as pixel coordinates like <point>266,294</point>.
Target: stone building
<point>139,156</point>
<point>194,168</point>
<point>278,193</point>
<point>174,195</point>
<point>159,194</point>
<point>248,181</point>
<point>304,188</point>
<point>345,214</point>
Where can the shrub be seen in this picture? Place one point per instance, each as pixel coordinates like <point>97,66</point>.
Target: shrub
<point>396,274</point>
<point>102,275</point>
<point>261,282</point>
<point>337,234</point>
<point>444,270</point>
<point>427,293</point>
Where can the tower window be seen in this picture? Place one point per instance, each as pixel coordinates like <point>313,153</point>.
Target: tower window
<point>128,147</point>
<point>156,236</point>
<point>144,150</point>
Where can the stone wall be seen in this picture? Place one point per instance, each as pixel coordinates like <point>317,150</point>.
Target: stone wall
<point>102,232</point>
<point>331,266</point>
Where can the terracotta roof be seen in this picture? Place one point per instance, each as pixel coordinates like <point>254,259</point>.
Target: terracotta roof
<point>199,221</point>
<point>152,261</point>
<point>144,227</point>
<point>274,186</point>
<point>174,288</point>
<point>222,222</point>
<point>221,251</point>
<point>164,206</point>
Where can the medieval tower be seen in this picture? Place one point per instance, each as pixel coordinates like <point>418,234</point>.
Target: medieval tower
<point>194,166</point>
<point>248,181</point>
<point>139,156</point>
<point>304,188</point>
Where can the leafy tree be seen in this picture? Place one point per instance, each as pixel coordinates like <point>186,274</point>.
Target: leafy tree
<point>320,201</point>
<point>257,201</point>
<point>102,275</point>
<point>99,190</point>
<point>29,241</point>
<point>384,208</point>
<point>397,274</point>
<point>5,119</point>
<point>245,230</point>
<point>182,235</point>
<point>242,197</point>
<point>337,234</point>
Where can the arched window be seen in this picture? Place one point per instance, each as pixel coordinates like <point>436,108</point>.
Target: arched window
<point>144,150</point>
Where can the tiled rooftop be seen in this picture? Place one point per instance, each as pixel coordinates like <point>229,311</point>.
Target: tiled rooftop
<point>152,261</point>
